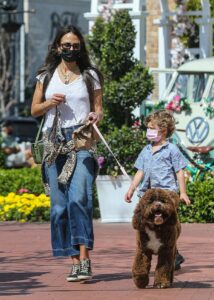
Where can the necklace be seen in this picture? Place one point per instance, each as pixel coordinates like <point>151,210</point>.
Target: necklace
<point>68,75</point>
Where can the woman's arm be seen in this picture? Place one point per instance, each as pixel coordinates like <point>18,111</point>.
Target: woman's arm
<point>96,115</point>
<point>39,106</point>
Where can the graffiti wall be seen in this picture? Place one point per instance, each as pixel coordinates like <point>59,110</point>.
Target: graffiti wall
<point>48,17</point>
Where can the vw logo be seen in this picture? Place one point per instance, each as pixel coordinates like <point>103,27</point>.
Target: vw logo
<point>197,130</point>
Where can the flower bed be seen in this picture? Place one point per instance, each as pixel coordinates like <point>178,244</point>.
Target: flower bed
<point>24,207</point>
<point>29,207</point>
<point>177,105</point>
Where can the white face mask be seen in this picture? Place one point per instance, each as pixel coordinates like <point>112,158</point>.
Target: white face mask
<point>152,135</point>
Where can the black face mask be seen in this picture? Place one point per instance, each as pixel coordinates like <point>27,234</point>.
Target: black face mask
<point>70,55</point>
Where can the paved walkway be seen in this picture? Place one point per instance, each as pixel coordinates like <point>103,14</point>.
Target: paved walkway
<point>28,271</point>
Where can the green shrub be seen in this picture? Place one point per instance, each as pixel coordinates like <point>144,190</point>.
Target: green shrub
<point>122,96</point>
<point>201,209</point>
<point>118,42</point>
<point>200,192</point>
<point>126,143</point>
<point>127,81</point>
<point>96,40</point>
<point>13,180</point>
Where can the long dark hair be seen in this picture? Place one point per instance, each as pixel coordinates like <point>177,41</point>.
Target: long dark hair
<point>83,61</point>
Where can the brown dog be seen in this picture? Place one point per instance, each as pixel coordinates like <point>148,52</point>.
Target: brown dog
<point>158,228</point>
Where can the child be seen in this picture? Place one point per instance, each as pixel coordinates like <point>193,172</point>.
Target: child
<point>160,164</point>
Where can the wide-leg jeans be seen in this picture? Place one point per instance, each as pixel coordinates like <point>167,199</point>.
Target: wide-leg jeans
<point>72,204</point>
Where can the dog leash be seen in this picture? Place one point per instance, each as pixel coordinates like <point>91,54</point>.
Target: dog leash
<point>108,147</point>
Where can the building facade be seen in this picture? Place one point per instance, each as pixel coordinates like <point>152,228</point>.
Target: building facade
<point>41,26</point>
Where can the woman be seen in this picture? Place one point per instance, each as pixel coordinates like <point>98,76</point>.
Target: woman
<point>69,93</point>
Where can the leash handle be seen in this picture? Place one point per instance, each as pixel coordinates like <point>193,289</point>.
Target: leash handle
<point>108,147</point>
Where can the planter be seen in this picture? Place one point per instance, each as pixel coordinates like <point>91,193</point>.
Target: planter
<point>111,191</point>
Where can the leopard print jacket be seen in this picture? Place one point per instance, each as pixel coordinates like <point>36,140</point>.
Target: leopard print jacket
<point>54,144</point>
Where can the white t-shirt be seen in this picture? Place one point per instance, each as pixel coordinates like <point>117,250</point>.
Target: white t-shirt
<point>77,106</point>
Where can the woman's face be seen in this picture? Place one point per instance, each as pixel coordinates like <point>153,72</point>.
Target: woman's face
<point>69,41</point>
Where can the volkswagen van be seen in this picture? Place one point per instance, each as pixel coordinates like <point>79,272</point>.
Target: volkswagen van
<point>189,94</point>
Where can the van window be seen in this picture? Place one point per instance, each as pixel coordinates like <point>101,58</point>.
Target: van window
<point>211,93</point>
<point>189,86</point>
<point>199,84</point>
<point>180,87</point>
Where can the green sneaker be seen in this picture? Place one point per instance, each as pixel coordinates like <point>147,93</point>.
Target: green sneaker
<point>73,276</point>
<point>85,270</point>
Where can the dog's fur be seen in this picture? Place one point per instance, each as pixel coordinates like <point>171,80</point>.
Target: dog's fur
<point>158,228</point>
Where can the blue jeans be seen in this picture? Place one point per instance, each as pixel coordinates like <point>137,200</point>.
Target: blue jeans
<point>72,204</point>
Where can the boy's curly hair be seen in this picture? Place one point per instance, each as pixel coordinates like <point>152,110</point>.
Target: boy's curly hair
<point>164,119</point>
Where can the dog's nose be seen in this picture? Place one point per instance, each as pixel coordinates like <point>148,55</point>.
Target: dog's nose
<point>157,204</point>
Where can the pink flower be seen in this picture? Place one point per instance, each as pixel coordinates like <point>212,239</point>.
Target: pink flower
<point>169,105</point>
<point>174,105</point>
<point>212,104</point>
<point>100,161</point>
<point>178,109</point>
<point>136,124</point>
<point>22,190</point>
<point>177,98</point>
<point>177,102</point>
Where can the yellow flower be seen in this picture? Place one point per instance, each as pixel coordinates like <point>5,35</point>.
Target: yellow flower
<point>6,208</point>
<point>24,204</point>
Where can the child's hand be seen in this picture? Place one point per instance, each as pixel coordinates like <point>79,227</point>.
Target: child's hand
<point>184,198</point>
<point>128,196</point>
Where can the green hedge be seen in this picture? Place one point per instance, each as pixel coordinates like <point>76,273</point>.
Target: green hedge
<point>13,180</point>
<point>200,192</point>
<point>201,209</point>
<point>126,143</point>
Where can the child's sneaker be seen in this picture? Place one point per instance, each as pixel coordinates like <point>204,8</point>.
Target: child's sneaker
<point>85,269</point>
<point>73,276</point>
<point>179,259</point>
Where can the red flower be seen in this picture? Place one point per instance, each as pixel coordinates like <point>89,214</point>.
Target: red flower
<point>22,191</point>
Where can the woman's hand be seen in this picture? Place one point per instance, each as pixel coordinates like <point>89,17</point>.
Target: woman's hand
<point>40,106</point>
<point>56,99</point>
<point>94,117</point>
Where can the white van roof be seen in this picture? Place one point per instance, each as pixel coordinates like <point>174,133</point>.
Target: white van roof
<point>203,65</point>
